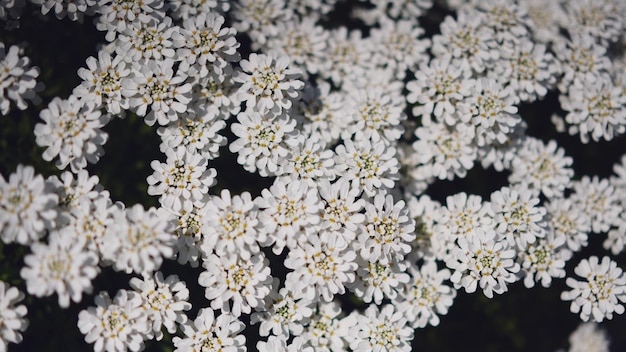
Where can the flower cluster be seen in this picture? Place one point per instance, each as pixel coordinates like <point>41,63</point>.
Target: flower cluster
<point>349,129</point>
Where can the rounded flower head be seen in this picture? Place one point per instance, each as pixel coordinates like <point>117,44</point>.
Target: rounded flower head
<point>211,333</point>
<point>17,80</point>
<point>387,231</point>
<point>12,316</point>
<point>114,325</point>
<point>102,82</point>
<point>27,209</point>
<point>72,131</point>
<point>379,331</point>
<point>481,259</point>
<point>163,301</point>
<point>268,84</point>
<point>62,266</point>
<point>602,291</point>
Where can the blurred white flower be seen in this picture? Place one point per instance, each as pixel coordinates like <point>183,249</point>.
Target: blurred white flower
<point>12,316</point>
<point>142,238</point>
<point>18,81</point>
<point>71,130</point>
<point>63,266</point>
<point>27,206</point>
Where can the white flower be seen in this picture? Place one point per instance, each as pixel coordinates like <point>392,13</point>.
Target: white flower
<point>438,87</point>
<point>288,211</point>
<point>155,85</point>
<point>184,176</point>
<point>74,10</point>
<point>567,217</point>
<point>215,97</point>
<point>508,21</point>
<point>197,133</point>
<point>387,231</point>
<point>62,266</point>
<point>283,314</point>
<point>373,114</point>
<point>321,110</point>
<point>72,131</point>
<point>323,265</point>
<point>528,69</point>
<point>397,47</point>
<point>117,16</point>
<point>444,152</point>
<point>589,337</point>
<point>90,222</point>
<point>428,244</point>
<point>233,284</point>
<point>580,56</point>
<point>163,301</point>
<point>616,239</point>
<point>102,82</point>
<point>595,108</point>
<point>542,167</point>
<point>325,332</point>
<point>263,141</point>
<point>267,83</point>
<point>190,228</point>
<point>543,260</point>
<point>547,18</point>
<point>342,207</point>
<point>184,9</point>
<point>27,208</point>
<point>600,293</point>
<point>17,79</point>
<point>601,19</point>
<point>369,166</point>
<point>259,18</point>
<point>482,259</point>
<point>310,161</point>
<point>302,41</point>
<point>425,296</point>
<point>491,111</point>
<point>143,238</point>
<point>462,215</point>
<point>466,39</point>
<point>347,56</point>
<point>211,333</point>
<point>75,192</point>
<point>518,216</point>
<point>375,280</point>
<point>599,201</point>
<point>205,45</point>
<point>114,325</point>
<point>232,225</point>
<point>12,316</point>
<point>384,330</point>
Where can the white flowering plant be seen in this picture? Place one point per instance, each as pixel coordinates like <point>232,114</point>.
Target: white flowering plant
<point>321,175</point>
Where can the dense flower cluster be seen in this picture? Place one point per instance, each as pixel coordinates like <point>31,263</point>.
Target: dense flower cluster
<point>349,128</point>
